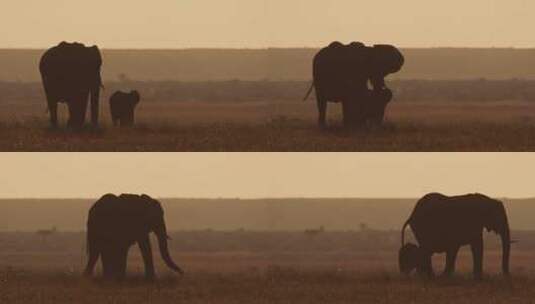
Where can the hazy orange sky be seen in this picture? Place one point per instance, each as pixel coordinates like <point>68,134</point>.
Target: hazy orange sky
<point>264,23</point>
<point>261,175</point>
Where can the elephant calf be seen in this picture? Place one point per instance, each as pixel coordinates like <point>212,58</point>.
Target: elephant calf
<point>443,223</point>
<point>122,106</point>
<point>376,106</point>
<point>372,110</point>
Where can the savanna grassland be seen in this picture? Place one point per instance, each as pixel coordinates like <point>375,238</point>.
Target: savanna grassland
<point>254,251</point>
<point>258,267</point>
<point>278,126</point>
<point>250,100</point>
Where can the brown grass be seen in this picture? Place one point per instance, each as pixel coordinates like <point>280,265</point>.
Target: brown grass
<point>50,273</point>
<point>279,126</point>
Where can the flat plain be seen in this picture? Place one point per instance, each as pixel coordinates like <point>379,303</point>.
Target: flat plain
<point>250,100</point>
<point>278,126</point>
<point>259,267</point>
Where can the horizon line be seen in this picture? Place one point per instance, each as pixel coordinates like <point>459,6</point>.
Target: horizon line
<point>259,198</point>
<point>269,48</point>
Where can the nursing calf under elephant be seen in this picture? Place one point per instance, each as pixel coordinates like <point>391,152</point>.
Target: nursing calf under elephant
<point>71,73</point>
<point>442,224</point>
<point>341,73</point>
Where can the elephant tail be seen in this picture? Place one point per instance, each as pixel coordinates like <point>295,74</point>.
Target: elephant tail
<point>87,244</point>
<point>308,92</point>
<point>403,232</point>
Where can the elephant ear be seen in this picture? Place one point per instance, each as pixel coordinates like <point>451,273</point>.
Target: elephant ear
<point>95,52</point>
<point>387,59</point>
<point>494,221</point>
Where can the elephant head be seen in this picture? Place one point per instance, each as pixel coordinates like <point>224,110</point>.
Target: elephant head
<point>386,59</point>
<point>494,218</point>
<point>156,224</point>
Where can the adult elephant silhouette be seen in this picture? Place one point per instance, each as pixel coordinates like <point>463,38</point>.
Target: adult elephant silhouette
<point>443,223</point>
<point>71,73</point>
<point>115,223</point>
<point>122,106</point>
<point>341,74</point>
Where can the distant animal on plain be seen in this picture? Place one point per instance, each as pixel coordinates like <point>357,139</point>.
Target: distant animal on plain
<point>341,74</point>
<point>115,223</point>
<point>443,223</point>
<point>70,73</point>
<point>314,232</point>
<point>122,107</point>
<point>45,233</point>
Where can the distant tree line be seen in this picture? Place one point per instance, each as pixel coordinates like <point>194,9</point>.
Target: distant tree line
<point>479,90</point>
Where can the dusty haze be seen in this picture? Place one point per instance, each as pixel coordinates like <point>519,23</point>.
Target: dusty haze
<point>264,23</point>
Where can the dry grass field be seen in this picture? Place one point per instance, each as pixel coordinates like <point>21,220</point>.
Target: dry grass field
<point>279,126</point>
<point>332,267</point>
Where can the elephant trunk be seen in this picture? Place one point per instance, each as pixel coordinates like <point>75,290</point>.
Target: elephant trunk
<point>506,247</point>
<point>164,251</point>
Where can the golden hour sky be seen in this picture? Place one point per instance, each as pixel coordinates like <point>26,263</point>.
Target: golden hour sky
<point>265,23</point>
<point>264,175</point>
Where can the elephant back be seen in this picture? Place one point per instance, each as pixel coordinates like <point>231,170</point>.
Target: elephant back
<point>70,62</point>
<point>339,66</point>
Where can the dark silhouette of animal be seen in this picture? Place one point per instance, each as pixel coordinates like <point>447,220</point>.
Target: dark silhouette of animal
<point>341,74</point>
<point>70,74</point>
<point>115,223</point>
<point>122,106</point>
<point>315,232</point>
<point>445,223</point>
<point>372,108</point>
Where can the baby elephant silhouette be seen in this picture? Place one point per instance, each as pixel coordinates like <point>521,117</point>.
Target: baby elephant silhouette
<point>122,106</point>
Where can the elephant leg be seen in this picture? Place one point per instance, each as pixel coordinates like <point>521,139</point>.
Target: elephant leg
<point>451,257</point>
<point>93,258</point>
<point>348,114</point>
<point>52,102</point>
<point>108,262</point>
<point>94,109</point>
<point>146,253</point>
<point>83,109</point>
<point>477,256</point>
<point>114,261</point>
<point>322,109</point>
<point>122,257</point>
<point>71,123</point>
<point>427,265</point>
<point>53,109</point>
<point>130,118</point>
